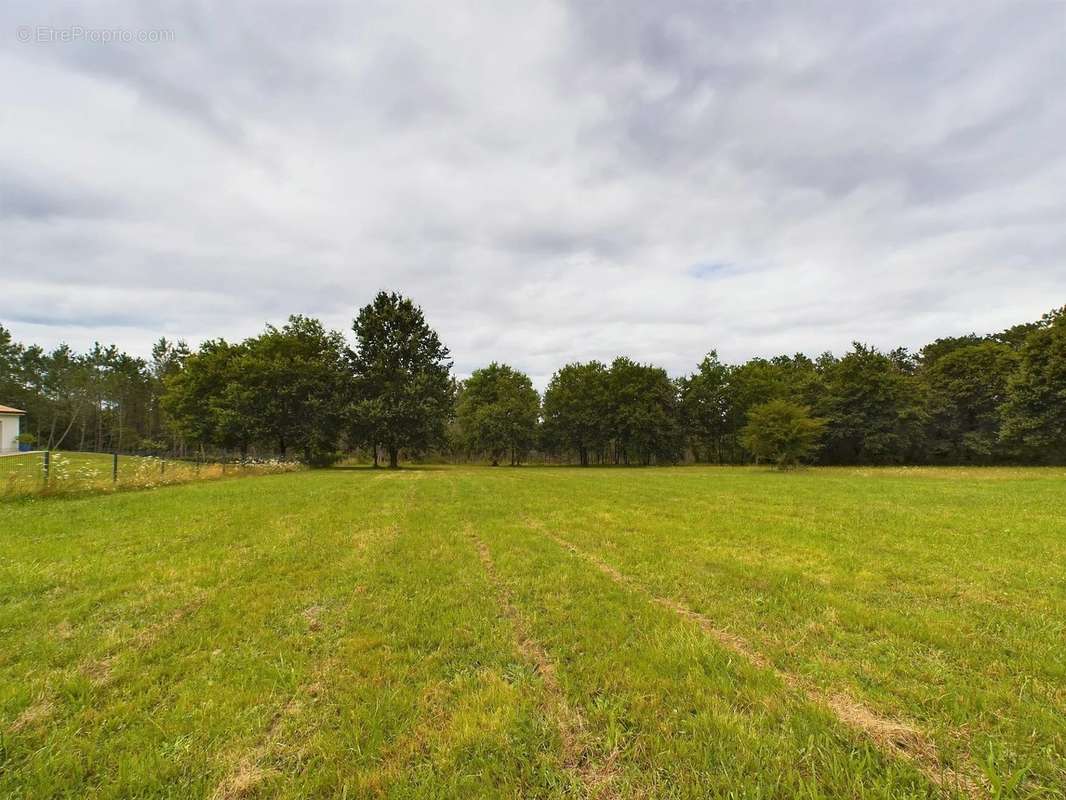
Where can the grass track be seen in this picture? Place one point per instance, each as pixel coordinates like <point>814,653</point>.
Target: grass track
<point>426,634</point>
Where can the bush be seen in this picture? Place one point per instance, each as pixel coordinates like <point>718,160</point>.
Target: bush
<point>781,432</point>
<point>322,458</point>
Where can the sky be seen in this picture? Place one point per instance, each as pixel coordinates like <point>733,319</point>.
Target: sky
<point>551,182</point>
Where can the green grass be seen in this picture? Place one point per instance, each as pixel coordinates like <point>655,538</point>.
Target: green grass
<point>476,632</point>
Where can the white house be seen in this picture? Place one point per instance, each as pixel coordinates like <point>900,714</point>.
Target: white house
<point>10,419</point>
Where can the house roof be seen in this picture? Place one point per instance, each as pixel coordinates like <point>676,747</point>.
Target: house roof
<point>10,410</point>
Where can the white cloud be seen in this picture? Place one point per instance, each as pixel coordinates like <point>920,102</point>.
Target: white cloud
<point>544,179</point>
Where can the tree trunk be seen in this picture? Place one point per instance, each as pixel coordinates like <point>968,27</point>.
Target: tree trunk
<point>64,436</point>
<point>394,457</point>
<point>375,456</point>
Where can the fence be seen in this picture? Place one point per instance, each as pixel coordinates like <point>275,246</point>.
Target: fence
<point>54,472</point>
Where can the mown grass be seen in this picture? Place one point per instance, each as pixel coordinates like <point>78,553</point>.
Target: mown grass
<point>471,632</point>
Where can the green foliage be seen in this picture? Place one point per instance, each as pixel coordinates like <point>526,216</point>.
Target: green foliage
<point>1034,415</point>
<point>10,363</point>
<point>965,388</point>
<point>286,388</point>
<point>873,410</point>
<point>404,391</point>
<point>294,384</point>
<point>624,414</point>
<point>782,432</point>
<point>934,351</point>
<point>965,399</point>
<point>704,406</point>
<point>577,410</point>
<point>497,412</point>
<point>643,414</point>
<point>205,400</point>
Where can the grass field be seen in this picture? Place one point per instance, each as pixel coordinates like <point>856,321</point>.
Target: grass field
<point>540,632</point>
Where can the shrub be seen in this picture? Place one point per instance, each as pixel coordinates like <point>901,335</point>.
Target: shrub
<point>781,432</point>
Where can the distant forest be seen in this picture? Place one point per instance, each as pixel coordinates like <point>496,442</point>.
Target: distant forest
<point>301,391</point>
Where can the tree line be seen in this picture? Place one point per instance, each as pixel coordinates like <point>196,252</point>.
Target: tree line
<point>300,391</point>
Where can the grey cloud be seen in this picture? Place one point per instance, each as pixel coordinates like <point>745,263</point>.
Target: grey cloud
<point>42,198</point>
<point>551,182</point>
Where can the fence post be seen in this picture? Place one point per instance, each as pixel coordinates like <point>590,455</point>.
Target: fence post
<point>114,467</point>
<point>47,465</point>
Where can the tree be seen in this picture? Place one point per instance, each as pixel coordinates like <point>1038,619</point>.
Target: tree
<point>403,374</point>
<point>1034,415</point>
<point>577,410</point>
<point>872,408</point>
<point>643,413</point>
<point>781,432</point>
<point>936,350</point>
<point>498,411</point>
<point>704,408</point>
<point>167,359</point>
<point>758,381</point>
<point>206,401</point>
<point>10,364</point>
<point>965,388</point>
<point>294,387</point>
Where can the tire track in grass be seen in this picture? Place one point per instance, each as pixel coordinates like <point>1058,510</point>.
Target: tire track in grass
<point>99,669</point>
<point>892,737</point>
<point>598,778</point>
<point>249,771</point>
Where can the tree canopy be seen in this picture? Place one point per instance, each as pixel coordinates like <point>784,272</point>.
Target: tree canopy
<point>298,390</point>
<point>1034,414</point>
<point>498,412</point>
<point>403,388</point>
<point>782,432</point>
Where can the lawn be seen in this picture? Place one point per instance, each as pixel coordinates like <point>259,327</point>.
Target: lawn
<point>540,632</point>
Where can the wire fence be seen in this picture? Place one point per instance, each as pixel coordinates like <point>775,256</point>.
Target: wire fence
<point>45,472</point>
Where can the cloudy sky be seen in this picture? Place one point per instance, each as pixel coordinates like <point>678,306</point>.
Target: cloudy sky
<point>550,181</point>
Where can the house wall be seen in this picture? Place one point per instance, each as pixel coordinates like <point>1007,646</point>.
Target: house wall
<point>9,431</point>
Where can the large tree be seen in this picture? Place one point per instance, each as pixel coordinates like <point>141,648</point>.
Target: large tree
<point>295,385</point>
<point>168,358</point>
<point>11,385</point>
<point>795,378</point>
<point>206,401</point>
<point>643,413</point>
<point>497,412</point>
<point>872,408</point>
<point>704,408</point>
<point>965,387</point>
<point>577,411</point>
<point>402,377</point>
<point>1034,415</point>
